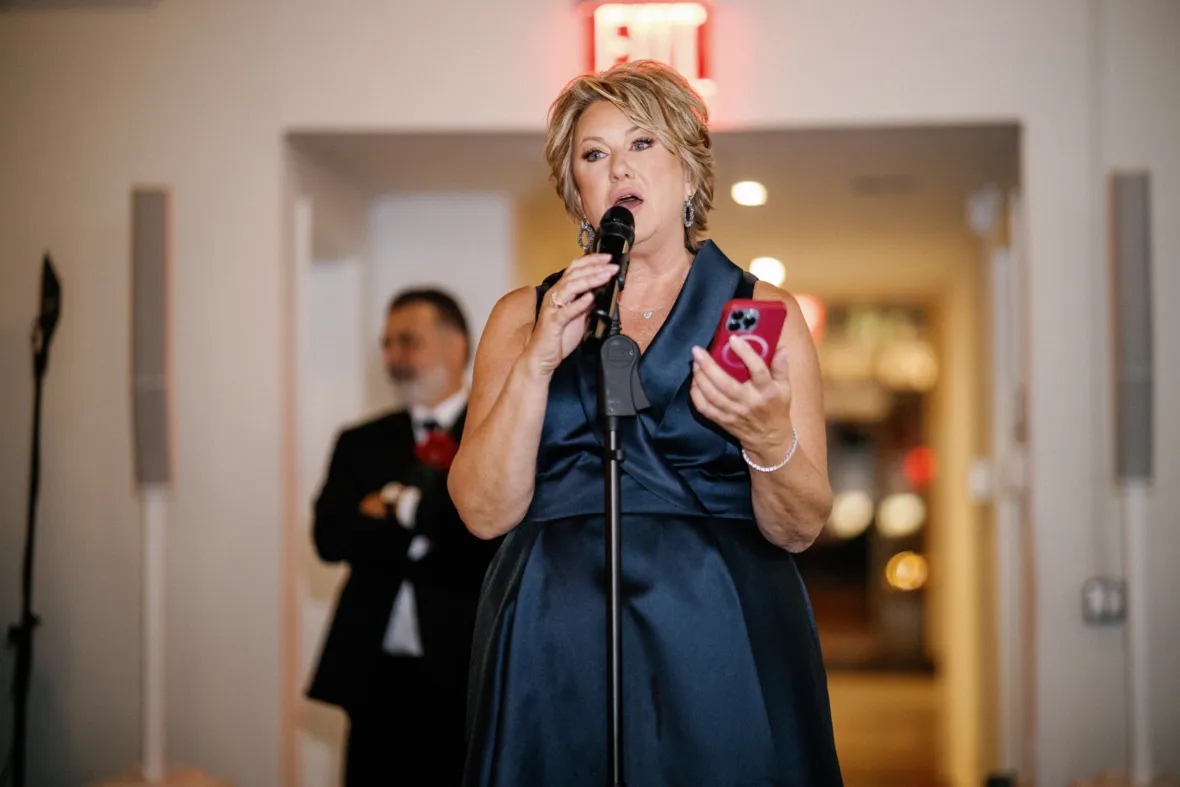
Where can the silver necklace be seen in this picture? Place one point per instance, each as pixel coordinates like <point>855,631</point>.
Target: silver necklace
<point>647,314</point>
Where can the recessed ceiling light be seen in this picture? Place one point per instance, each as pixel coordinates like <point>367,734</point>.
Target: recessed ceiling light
<point>769,270</point>
<point>749,193</point>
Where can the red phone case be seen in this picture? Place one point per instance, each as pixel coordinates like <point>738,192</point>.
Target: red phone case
<point>759,322</point>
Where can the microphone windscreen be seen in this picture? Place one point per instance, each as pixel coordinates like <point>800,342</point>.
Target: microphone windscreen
<point>618,221</point>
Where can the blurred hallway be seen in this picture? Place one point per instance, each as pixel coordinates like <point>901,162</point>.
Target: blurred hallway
<point>913,157</point>
<point>886,728</point>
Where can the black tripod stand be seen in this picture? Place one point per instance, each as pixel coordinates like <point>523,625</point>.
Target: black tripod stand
<point>20,635</point>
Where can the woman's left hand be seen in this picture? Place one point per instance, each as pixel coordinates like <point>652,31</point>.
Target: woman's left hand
<point>756,412</point>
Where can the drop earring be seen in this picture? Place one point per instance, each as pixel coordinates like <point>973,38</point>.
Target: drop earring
<point>689,213</point>
<point>585,232</point>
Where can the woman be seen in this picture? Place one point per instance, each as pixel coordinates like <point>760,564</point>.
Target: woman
<point>724,683</point>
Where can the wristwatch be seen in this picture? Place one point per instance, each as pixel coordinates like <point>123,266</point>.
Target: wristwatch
<point>389,495</point>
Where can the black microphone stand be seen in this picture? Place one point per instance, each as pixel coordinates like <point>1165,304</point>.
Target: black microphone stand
<point>20,636</point>
<point>620,395</point>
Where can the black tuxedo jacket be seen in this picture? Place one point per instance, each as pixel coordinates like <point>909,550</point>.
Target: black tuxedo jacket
<point>353,666</point>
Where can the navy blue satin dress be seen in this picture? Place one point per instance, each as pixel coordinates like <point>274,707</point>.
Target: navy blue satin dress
<point>724,684</point>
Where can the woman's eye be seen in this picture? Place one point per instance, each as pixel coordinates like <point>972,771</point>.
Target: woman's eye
<point>643,143</point>
<point>592,155</point>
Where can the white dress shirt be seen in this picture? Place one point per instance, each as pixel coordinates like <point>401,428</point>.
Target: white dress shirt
<point>401,635</point>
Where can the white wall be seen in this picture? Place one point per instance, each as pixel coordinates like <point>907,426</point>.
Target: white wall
<point>463,243</point>
<point>340,221</point>
<point>331,394</point>
<point>199,95</point>
<point>957,539</point>
<point>329,240</point>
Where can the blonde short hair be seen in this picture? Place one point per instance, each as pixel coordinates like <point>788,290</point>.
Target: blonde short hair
<point>657,99</point>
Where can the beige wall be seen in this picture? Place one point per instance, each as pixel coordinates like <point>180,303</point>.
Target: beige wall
<point>958,584</point>
<point>199,95</point>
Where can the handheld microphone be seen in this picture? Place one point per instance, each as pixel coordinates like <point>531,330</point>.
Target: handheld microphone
<point>616,233</point>
<point>46,322</point>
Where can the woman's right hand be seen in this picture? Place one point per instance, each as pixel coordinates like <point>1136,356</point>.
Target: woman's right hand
<point>561,322</point>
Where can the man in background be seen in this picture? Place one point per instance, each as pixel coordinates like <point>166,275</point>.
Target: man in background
<point>397,652</point>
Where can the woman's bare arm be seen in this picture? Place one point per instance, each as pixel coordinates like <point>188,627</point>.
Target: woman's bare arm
<point>792,502</point>
<point>491,479</point>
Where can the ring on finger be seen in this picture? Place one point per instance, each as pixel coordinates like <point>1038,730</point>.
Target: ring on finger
<point>553,299</point>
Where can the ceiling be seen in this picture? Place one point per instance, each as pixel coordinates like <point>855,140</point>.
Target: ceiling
<point>852,212</point>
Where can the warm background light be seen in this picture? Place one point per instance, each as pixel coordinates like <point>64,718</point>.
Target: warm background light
<point>906,571</point>
<point>901,515</point>
<point>920,467</point>
<point>749,193</point>
<point>908,365</point>
<point>769,270</point>
<point>814,315</point>
<point>846,362</point>
<point>852,513</point>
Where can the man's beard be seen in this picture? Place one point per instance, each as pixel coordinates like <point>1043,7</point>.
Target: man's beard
<point>418,388</point>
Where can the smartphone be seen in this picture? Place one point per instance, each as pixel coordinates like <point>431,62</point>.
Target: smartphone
<point>760,323</point>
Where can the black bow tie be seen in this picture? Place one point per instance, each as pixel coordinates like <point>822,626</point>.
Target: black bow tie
<point>430,425</point>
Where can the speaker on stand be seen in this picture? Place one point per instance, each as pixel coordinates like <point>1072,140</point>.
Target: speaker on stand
<point>1130,261</point>
<point>152,411</point>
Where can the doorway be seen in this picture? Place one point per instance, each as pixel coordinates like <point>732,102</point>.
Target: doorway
<point>870,228</point>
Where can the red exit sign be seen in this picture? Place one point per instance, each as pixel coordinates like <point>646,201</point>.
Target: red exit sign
<point>672,33</point>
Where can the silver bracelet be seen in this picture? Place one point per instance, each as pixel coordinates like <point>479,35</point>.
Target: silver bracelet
<point>780,465</point>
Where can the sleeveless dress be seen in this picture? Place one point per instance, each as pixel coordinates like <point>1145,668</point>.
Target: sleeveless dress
<point>723,679</point>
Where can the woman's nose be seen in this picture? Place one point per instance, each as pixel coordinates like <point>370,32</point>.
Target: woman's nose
<point>619,168</point>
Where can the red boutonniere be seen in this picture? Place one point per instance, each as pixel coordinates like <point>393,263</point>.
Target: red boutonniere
<point>437,451</point>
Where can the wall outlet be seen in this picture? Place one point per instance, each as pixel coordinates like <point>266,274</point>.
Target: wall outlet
<point>1104,601</point>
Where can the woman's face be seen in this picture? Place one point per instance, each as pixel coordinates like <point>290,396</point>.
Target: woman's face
<point>617,163</point>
